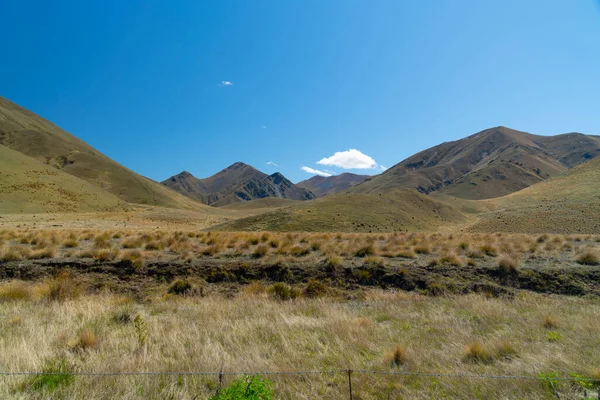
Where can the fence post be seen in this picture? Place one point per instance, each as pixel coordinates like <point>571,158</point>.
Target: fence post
<point>350,382</point>
<point>220,381</point>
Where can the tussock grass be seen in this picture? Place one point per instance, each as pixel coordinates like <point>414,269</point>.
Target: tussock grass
<point>589,257</point>
<point>253,329</point>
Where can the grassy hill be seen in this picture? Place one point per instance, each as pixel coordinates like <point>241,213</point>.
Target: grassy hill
<point>324,185</point>
<point>30,186</point>
<point>398,210</point>
<point>261,204</point>
<point>27,133</point>
<point>489,164</point>
<point>237,183</point>
<point>569,203</point>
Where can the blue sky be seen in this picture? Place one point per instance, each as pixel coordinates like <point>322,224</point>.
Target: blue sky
<point>142,81</point>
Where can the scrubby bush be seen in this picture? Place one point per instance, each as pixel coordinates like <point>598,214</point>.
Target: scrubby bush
<point>507,266</point>
<point>550,322</point>
<point>299,251</point>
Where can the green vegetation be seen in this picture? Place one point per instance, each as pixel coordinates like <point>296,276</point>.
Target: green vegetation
<point>247,388</point>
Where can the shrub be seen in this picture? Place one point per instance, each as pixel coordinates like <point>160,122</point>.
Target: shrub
<point>364,251</point>
<point>180,287</point>
<point>396,357</point>
<point>314,246</point>
<point>475,352</point>
<point>248,387</point>
<point>255,288</point>
<point>260,251</point>
<point>590,257</point>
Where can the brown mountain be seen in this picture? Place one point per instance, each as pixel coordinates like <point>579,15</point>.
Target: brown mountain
<point>491,163</point>
<point>238,182</point>
<point>321,185</point>
<point>33,136</point>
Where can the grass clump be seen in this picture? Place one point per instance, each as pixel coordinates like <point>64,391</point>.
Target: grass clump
<point>489,250</point>
<point>333,261</point>
<point>590,257</point>
<point>63,288</point>
<point>364,251</point>
<point>422,249</point>
<point>550,322</point>
<point>180,287</point>
<point>396,357</point>
<point>15,291</point>
<point>260,251</point>
<point>299,251</point>
<point>314,288</point>
<point>507,266</point>
<point>86,340</point>
<point>477,353</point>
<point>247,388</point>
<point>56,373</point>
<point>283,292</point>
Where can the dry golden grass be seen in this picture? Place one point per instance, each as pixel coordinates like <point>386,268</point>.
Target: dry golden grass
<point>139,246</point>
<point>250,331</point>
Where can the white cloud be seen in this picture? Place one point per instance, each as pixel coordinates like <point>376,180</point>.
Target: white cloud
<point>263,127</point>
<point>316,171</point>
<point>350,159</point>
<point>225,83</point>
<point>272,163</point>
<point>382,167</point>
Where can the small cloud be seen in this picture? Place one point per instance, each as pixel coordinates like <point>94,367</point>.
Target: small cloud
<point>225,83</point>
<point>316,171</point>
<point>350,159</point>
<point>272,163</point>
<point>382,167</point>
<point>263,127</point>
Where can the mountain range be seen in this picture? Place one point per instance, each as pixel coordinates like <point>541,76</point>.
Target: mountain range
<point>324,185</point>
<point>492,163</point>
<point>238,182</point>
<point>496,179</point>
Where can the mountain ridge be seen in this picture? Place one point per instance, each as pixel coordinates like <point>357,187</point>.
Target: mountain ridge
<point>237,182</point>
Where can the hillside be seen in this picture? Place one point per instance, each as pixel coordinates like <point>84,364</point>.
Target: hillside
<point>27,133</point>
<point>569,203</point>
<point>30,186</point>
<point>398,210</point>
<point>238,182</point>
<point>491,163</point>
<point>322,186</point>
